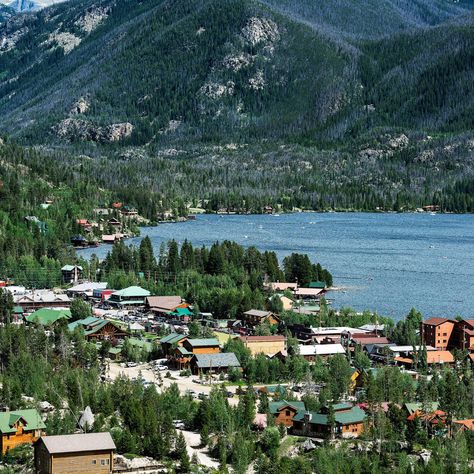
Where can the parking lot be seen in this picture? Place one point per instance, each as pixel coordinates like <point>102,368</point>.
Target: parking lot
<point>186,384</point>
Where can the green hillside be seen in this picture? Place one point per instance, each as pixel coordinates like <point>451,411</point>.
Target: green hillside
<point>246,103</point>
<point>199,70</point>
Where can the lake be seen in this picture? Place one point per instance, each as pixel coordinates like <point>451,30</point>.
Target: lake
<point>383,262</point>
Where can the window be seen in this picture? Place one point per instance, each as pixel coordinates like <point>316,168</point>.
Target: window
<point>94,461</point>
<point>445,333</point>
<point>102,462</point>
<point>288,413</point>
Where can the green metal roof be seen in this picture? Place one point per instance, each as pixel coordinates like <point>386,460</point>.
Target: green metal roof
<point>181,312</point>
<point>275,389</point>
<point>90,320</point>
<point>140,343</point>
<point>31,417</point>
<point>317,284</point>
<point>96,327</point>
<point>115,350</point>
<point>172,338</point>
<point>203,342</point>
<point>414,407</point>
<point>184,351</point>
<point>45,316</point>
<point>70,268</point>
<point>354,415</point>
<point>275,407</point>
<point>132,291</point>
<point>17,310</point>
<point>342,406</point>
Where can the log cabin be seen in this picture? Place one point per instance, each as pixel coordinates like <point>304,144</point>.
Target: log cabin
<point>20,427</point>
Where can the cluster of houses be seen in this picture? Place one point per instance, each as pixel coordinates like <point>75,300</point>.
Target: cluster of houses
<point>203,356</point>
<point>110,224</point>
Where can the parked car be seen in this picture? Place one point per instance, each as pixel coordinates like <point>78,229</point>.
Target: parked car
<point>179,424</point>
<point>203,396</point>
<point>132,364</point>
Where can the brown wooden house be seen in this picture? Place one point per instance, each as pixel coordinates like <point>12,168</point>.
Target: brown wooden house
<point>19,427</point>
<point>98,329</point>
<point>181,355</point>
<point>255,317</point>
<point>348,422</point>
<point>284,411</point>
<point>77,453</point>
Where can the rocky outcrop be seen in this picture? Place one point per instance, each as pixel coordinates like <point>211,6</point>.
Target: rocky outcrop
<point>92,19</point>
<point>64,40</point>
<point>75,129</point>
<point>260,30</point>
<point>81,106</point>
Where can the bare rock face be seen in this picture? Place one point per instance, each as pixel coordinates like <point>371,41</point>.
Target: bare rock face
<point>260,30</point>
<point>117,132</point>
<point>80,107</point>
<point>76,129</point>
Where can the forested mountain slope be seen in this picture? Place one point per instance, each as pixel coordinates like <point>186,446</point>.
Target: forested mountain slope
<point>205,68</point>
<point>141,72</point>
<point>243,103</point>
<point>364,19</point>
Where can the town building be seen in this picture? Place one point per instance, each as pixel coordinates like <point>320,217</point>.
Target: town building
<point>311,351</point>
<point>71,273</point>
<point>255,317</point>
<point>36,299</point>
<point>85,289</point>
<point>202,346</point>
<point>282,286</point>
<point>348,422</point>
<point>19,427</point>
<point>214,363</point>
<point>129,297</point>
<point>89,453</point>
<point>308,293</point>
<point>284,411</point>
<point>268,345</point>
<point>171,341</point>
<point>464,425</point>
<point>437,332</point>
<point>46,317</point>
<point>163,305</point>
<point>98,329</point>
<point>463,335</point>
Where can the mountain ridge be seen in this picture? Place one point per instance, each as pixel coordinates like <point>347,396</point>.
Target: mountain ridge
<point>208,70</point>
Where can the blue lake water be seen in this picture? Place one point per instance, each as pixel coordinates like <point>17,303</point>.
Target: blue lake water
<point>384,262</point>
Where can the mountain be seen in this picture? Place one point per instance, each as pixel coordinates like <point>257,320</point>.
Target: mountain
<point>371,19</point>
<point>30,5</point>
<point>147,72</point>
<point>243,103</point>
